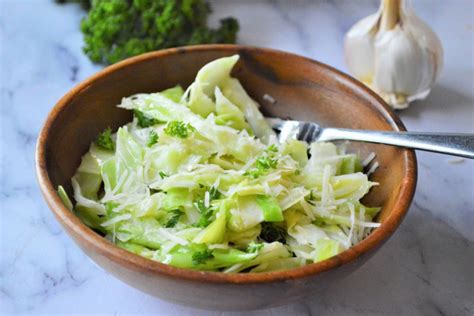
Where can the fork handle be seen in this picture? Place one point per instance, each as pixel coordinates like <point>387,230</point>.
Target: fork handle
<point>446,143</point>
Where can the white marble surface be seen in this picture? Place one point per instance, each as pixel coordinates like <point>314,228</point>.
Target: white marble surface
<point>427,268</point>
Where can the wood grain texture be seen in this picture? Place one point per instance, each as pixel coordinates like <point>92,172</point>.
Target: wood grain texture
<point>302,88</point>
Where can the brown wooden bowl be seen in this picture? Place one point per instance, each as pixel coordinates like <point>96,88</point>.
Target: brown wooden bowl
<point>303,89</point>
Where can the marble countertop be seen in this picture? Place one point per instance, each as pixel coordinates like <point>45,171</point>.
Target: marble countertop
<point>426,268</point>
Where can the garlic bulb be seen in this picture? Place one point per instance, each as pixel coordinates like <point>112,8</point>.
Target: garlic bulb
<point>395,53</point>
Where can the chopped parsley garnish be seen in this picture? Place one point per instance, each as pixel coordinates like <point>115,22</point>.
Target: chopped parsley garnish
<point>206,213</point>
<point>152,138</point>
<point>144,120</point>
<point>271,232</point>
<point>162,174</point>
<point>201,257</point>
<point>272,149</point>
<point>105,141</point>
<point>179,129</point>
<point>253,173</point>
<point>214,194</point>
<point>254,247</point>
<point>265,163</point>
<point>173,220</point>
<point>262,164</point>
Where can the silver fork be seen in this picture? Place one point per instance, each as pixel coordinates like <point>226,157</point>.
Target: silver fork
<point>446,143</point>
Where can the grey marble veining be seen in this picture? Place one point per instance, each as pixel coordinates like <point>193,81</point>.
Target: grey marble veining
<point>427,268</point>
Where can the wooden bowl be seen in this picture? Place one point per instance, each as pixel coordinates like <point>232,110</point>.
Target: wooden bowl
<point>303,89</point>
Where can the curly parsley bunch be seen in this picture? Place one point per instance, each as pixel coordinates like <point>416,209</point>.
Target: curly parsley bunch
<point>118,29</point>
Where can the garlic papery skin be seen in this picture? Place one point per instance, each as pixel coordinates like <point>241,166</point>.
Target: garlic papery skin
<point>395,53</point>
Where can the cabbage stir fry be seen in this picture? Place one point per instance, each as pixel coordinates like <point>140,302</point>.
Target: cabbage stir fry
<point>198,180</point>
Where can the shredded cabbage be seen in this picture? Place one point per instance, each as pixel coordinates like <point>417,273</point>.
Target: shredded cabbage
<point>198,180</point>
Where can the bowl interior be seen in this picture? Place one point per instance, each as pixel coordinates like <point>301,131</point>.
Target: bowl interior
<point>302,89</point>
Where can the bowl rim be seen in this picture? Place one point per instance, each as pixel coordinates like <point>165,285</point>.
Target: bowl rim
<point>120,256</point>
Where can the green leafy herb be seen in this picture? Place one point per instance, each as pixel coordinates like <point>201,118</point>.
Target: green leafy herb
<point>173,220</point>
<point>105,141</point>
<point>272,149</point>
<point>205,213</point>
<point>152,138</point>
<point>179,129</point>
<point>265,163</point>
<point>254,247</point>
<point>214,194</point>
<point>271,232</point>
<point>144,120</point>
<point>162,174</point>
<point>117,29</point>
<point>201,257</point>
<point>253,173</point>
<point>262,164</point>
